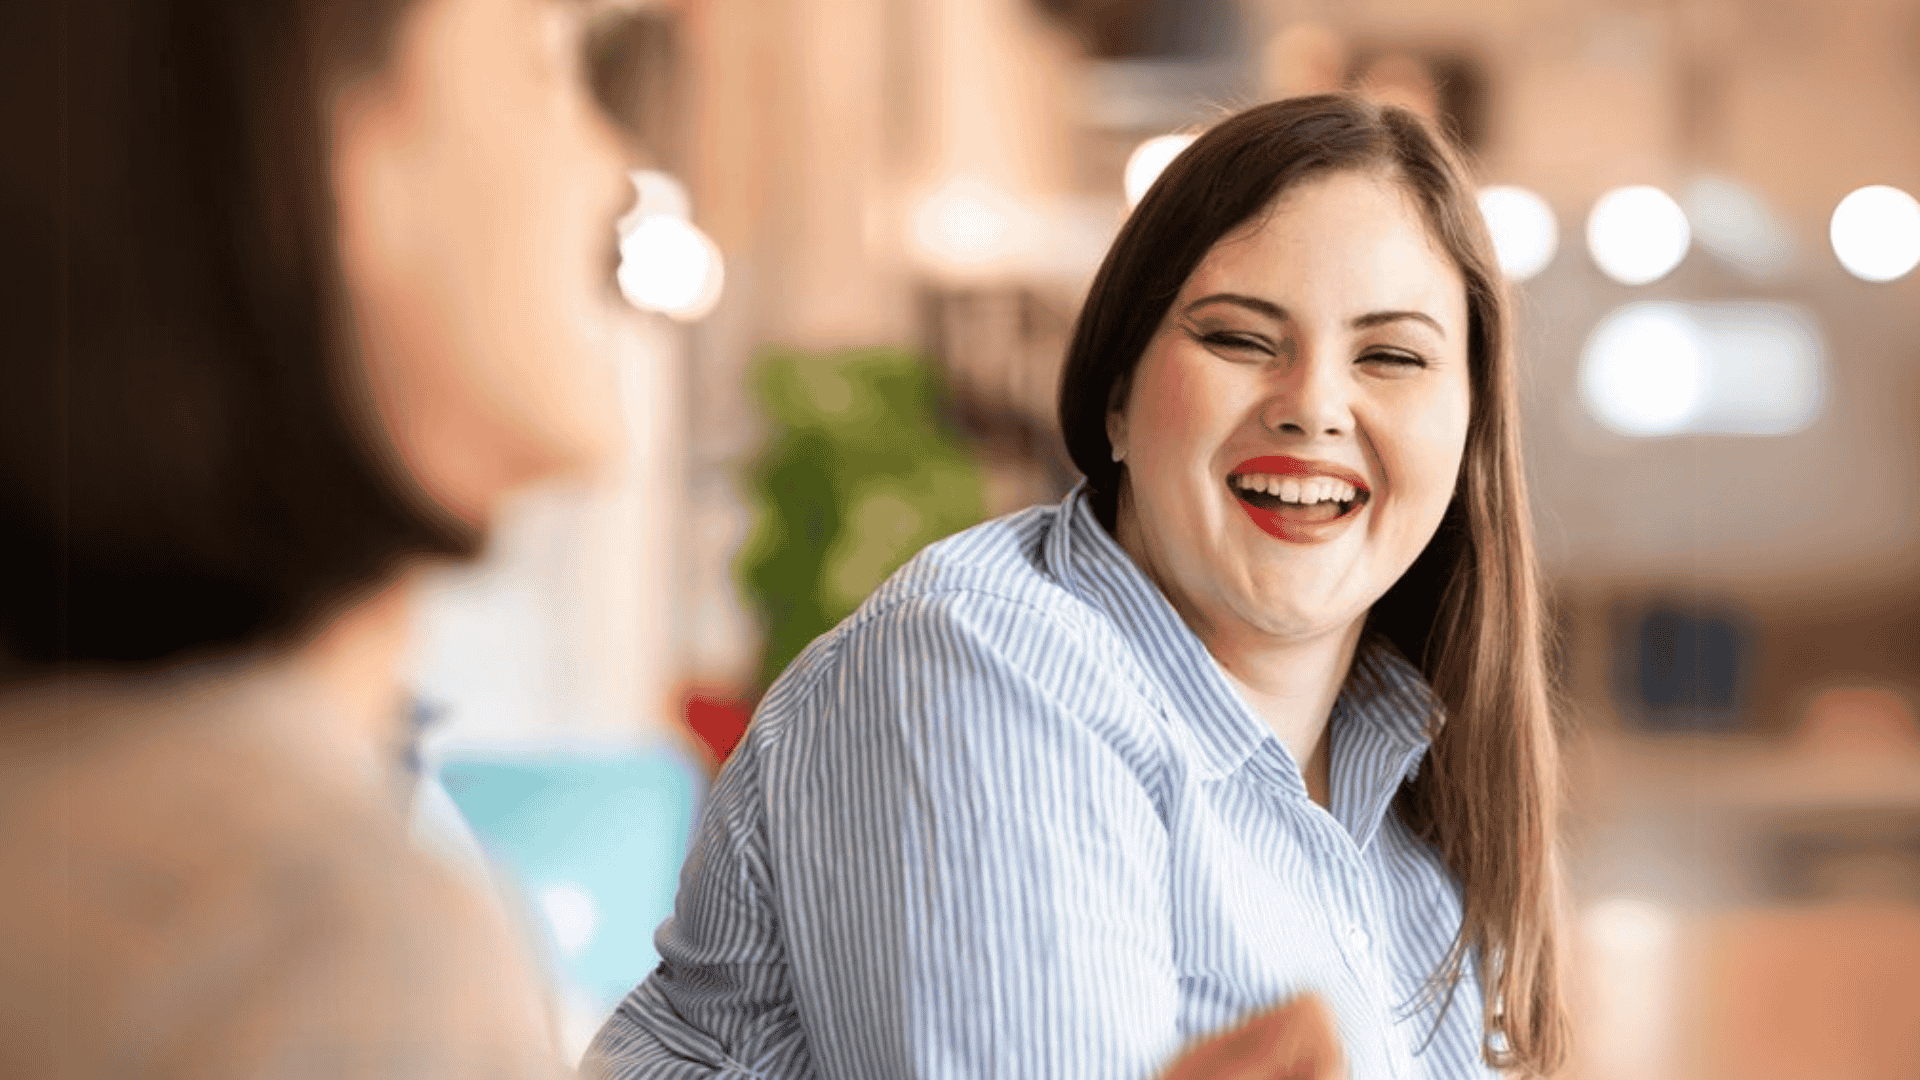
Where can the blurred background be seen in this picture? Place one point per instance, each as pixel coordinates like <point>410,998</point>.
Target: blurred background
<point>858,245</point>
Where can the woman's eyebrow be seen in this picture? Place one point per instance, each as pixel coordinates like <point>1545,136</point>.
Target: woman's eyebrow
<point>1276,312</point>
<point>1252,303</point>
<point>1381,318</point>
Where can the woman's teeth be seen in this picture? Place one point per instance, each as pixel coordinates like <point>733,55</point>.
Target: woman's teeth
<point>1292,489</point>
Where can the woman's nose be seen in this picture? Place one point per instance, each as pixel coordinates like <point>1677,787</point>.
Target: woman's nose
<point>1309,398</point>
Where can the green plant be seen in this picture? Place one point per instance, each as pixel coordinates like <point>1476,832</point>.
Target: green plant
<point>859,475</point>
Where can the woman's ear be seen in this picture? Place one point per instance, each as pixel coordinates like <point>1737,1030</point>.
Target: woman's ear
<point>1117,419</point>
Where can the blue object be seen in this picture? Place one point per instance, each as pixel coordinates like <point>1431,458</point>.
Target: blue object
<point>1691,663</point>
<point>594,839</point>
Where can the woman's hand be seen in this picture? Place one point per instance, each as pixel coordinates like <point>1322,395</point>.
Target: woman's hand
<point>1294,1041</point>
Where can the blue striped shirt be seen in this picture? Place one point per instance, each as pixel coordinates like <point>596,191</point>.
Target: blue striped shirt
<point>1011,819</point>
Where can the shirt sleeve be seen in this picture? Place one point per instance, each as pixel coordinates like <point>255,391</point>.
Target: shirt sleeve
<point>720,1003</point>
<point>973,863</point>
<point>941,857</point>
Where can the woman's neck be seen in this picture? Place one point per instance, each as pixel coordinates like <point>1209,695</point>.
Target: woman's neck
<point>351,667</point>
<point>1291,683</point>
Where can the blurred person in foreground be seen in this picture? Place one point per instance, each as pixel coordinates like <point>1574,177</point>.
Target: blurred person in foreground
<point>297,291</point>
<point>1258,714</point>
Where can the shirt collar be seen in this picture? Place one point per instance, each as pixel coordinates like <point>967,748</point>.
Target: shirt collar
<point>1382,725</point>
<point>1380,721</point>
<point>1091,563</point>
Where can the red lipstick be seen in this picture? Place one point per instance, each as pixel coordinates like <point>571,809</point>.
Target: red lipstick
<point>1292,530</point>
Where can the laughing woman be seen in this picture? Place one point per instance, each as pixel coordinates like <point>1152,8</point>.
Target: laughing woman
<point>1259,711</point>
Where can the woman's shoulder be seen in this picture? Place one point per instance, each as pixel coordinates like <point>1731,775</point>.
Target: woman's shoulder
<point>1004,557</point>
<point>976,637</point>
<point>986,590</point>
<point>203,866</point>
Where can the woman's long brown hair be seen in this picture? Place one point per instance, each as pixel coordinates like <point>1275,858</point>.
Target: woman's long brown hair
<point>1469,610</point>
<point>1487,794</point>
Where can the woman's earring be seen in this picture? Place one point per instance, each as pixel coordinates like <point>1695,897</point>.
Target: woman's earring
<point>1119,454</point>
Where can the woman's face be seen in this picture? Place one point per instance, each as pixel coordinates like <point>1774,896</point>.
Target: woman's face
<point>1294,428</point>
<point>477,186</point>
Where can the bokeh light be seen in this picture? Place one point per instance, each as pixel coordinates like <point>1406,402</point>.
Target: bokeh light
<point>961,226</point>
<point>1876,233</point>
<point>1525,233</point>
<point>1766,367</point>
<point>656,194</point>
<point>666,263</point>
<point>1745,367</point>
<point>1638,234</point>
<point>1644,370</point>
<point>1148,161</point>
<point>1630,926</point>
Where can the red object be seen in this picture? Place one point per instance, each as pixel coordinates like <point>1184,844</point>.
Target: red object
<point>1301,532</point>
<point>718,722</point>
<point>1293,466</point>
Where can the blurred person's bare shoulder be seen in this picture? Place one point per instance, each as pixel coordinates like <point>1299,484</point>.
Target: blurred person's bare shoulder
<point>199,883</point>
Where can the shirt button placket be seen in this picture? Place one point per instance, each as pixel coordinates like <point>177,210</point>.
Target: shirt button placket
<point>1361,943</point>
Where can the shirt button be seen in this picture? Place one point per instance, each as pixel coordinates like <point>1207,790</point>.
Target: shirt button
<point>1358,938</point>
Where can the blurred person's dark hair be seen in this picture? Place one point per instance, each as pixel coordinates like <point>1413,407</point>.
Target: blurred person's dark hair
<point>1468,611</point>
<point>188,464</point>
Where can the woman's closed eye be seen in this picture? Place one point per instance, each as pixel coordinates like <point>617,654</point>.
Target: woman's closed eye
<point>1392,359</point>
<point>1234,343</point>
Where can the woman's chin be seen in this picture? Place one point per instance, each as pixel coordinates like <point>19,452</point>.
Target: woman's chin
<point>1287,618</point>
<point>576,427</point>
